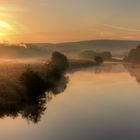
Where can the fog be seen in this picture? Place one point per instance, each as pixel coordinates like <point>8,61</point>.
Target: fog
<point>35,51</point>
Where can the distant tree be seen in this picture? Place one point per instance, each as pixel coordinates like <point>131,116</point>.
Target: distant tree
<point>59,61</point>
<point>133,56</point>
<point>89,54</point>
<point>106,55</point>
<point>98,59</point>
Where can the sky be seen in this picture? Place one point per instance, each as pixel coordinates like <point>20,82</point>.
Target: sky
<point>68,20</point>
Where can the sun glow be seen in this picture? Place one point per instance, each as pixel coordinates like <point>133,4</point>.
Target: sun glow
<point>5,30</point>
<point>5,25</point>
<point>2,34</point>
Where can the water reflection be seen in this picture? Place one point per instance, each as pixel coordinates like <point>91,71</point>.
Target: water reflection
<point>15,100</point>
<point>134,71</point>
<point>100,103</point>
<point>104,68</point>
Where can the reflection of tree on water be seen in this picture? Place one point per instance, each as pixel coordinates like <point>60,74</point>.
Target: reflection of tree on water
<point>103,69</point>
<point>29,109</point>
<point>134,71</point>
<point>29,95</point>
<point>15,102</point>
<point>132,63</point>
<point>109,68</point>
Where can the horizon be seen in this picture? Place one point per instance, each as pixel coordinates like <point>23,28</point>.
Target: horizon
<point>78,41</point>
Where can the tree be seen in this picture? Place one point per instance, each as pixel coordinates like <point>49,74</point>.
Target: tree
<point>133,56</point>
<point>36,83</point>
<point>33,82</point>
<point>59,61</point>
<point>98,60</point>
<point>56,69</point>
<point>106,55</point>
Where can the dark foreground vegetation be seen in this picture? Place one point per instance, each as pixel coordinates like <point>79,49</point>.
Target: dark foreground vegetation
<point>26,94</point>
<point>49,78</point>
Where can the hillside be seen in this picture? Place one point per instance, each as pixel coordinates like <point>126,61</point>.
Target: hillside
<point>116,47</point>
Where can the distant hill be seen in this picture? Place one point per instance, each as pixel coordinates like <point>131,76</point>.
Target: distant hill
<point>116,47</point>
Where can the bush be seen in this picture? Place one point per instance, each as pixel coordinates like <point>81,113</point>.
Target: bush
<point>59,61</point>
<point>37,83</point>
<point>56,69</point>
<point>133,56</point>
<point>98,60</point>
<point>33,82</point>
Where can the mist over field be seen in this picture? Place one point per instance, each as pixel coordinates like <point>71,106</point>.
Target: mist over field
<point>37,51</point>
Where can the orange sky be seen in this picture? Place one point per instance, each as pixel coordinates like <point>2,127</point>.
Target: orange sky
<point>68,20</point>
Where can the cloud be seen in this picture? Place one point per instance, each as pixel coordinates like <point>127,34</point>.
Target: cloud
<point>121,28</point>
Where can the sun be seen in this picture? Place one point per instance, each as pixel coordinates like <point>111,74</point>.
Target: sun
<point>5,25</point>
<point>5,28</point>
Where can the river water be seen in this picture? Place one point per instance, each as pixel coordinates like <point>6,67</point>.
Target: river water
<point>99,103</point>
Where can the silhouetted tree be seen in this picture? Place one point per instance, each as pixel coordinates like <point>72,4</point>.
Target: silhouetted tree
<point>133,56</point>
<point>89,54</point>
<point>106,55</point>
<point>33,82</point>
<point>59,61</point>
<point>98,60</point>
<point>56,69</point>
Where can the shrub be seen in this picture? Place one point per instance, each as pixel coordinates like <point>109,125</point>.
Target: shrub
<point>33,82</point>
<point>98,60</point>
<point>59,61</point>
